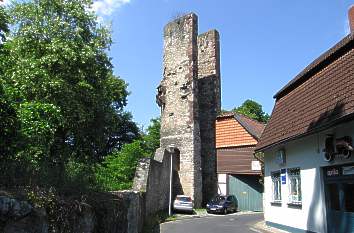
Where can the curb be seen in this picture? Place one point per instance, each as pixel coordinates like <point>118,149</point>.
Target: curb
<point>205,214</point>
<point>263,227</point>
<point>180,218</point>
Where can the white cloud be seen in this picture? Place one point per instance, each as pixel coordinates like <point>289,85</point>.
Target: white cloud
<point>107,7</point>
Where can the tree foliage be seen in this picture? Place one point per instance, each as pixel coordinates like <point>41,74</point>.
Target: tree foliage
<point>58,86</point>
<point>253,110</point>
<point>118,170</point>
<point>3,24</point>
<point>8,118</point>
<point>152,138</point>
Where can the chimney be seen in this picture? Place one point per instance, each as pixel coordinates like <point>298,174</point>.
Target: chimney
<point>351,18</point>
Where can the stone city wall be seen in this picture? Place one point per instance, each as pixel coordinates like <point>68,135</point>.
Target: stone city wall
<point>152,179</point>
<point>117,212</point>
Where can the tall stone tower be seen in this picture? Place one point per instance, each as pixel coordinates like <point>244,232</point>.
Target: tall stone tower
<point>209,101</point>
<point>189,100</point>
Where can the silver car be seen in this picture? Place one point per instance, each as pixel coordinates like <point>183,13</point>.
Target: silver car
<point>183,203</point>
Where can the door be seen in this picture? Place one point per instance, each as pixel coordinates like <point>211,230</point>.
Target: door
<point>248,192</point>
<point>340,203</point>
<point>339,192</point>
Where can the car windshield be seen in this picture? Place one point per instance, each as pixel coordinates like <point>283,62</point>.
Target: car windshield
<point>218,199</point>
<point>185,199</point>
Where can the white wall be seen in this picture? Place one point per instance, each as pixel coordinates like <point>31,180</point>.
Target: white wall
<point>307,154</point>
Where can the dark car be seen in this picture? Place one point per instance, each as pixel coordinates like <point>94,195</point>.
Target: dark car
<point>222,204</point>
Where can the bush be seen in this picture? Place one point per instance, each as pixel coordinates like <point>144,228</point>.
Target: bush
<point>118,170</point>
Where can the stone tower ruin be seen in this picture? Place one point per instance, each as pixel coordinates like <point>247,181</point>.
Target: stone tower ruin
<point>189,98</point>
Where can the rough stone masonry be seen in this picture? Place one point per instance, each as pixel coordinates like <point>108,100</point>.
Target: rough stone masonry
<point>189,98</point>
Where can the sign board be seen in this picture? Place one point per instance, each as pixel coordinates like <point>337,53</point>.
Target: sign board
<point>283,176</point>
<point>256,166</point>
<point>349,170</point>
<point>332,172</point>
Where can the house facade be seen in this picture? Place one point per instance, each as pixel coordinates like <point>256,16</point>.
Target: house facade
<point>238,170</point>
<point>308,148</point>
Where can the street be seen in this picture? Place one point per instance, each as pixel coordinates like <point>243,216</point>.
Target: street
<point>232,223</point>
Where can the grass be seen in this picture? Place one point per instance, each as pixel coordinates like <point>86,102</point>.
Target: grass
<point>171,218</point>
<point>201,211</point>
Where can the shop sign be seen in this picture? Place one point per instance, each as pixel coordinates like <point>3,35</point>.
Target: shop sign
<point>349,170</point>
<point>333,171</point>
<point>283,176</point>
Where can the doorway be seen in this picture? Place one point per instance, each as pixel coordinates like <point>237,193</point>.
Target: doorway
<point>248,192</point>
<point>339,192</point>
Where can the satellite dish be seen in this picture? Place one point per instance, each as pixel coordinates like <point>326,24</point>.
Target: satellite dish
<point>328,157</point>
<point>344,146</point>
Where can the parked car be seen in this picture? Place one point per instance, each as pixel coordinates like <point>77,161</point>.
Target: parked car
<point>222,204</point>
<point>183,203</point>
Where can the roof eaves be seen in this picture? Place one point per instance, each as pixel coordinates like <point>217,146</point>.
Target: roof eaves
<point>225,115</point>
<point>315,130</point>
<point>236,146</point>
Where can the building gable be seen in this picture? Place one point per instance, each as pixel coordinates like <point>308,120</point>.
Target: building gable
<point>319,97</point>
<point>230,133</point>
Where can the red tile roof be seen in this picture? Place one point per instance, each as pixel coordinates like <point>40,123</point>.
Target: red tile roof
<point>255,128</point>
<point>237,130</point>
<point>320,96</point>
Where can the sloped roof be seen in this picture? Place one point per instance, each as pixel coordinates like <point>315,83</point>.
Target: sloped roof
<point>237,130</point>
<point>320,96</point>
<point>255,128</point>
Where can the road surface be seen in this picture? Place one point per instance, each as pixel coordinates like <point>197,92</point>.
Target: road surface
<point>232,223</point>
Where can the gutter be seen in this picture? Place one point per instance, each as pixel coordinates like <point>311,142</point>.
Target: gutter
<point>341,120</point>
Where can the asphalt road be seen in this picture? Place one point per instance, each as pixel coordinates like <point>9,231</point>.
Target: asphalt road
<point>232,223</point>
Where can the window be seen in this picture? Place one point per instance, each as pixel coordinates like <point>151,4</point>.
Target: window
<point>276,186</point>
<point>333,193</point>
<point>344,203</point>
<point>348,189</point>
<point>218,199</point>
<point>294,186</point>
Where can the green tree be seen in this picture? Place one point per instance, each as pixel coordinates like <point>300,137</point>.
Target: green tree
<point>3,24</point>
<point>152,137</point>
<point>8,117</point>
<point>118,169</point>
<point>59,78</point>
<point>253,110</point>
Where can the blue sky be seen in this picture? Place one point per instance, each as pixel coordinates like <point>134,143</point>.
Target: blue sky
<point>264,44</point>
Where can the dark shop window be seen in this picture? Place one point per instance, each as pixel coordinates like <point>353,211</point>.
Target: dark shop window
<point>333,196</point>
<point>348,189</point>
